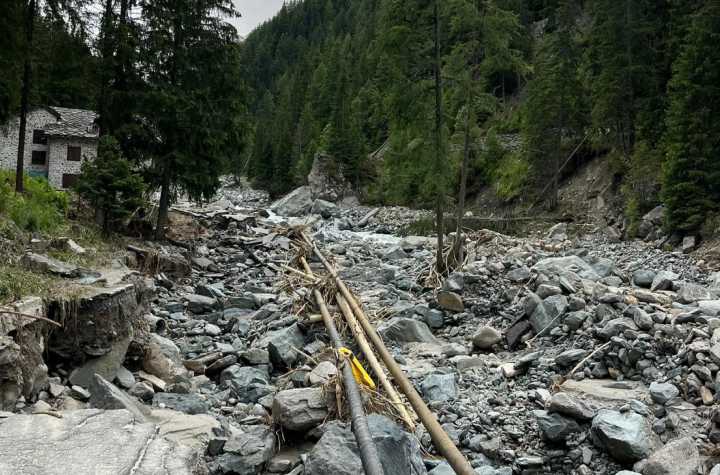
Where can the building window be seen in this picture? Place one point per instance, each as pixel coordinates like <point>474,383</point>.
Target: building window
<point>39,137</point>
<point>73,154</point>
<point>69,180</point>
<point>39,157</point>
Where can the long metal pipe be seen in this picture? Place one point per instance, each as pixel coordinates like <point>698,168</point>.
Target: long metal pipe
<point>368,452</point>
<point>439,437</point>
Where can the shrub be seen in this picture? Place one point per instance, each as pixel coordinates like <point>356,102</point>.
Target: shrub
<point>511,175</point>
<point>39,209</point>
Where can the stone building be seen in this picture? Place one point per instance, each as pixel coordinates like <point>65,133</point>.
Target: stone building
<point>57,141</point>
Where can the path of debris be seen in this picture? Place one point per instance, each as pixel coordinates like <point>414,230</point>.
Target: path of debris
<point>560,355</point>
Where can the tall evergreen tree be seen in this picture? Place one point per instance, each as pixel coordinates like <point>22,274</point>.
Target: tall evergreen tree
<point>554,110</point>
<point>692,172</point>
<point>189,59</point>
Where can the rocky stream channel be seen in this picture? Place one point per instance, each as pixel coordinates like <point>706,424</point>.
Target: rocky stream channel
<point>554,355</point>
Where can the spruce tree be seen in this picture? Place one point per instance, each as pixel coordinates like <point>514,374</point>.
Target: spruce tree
<point>692,171</point>
<point>189,61</point>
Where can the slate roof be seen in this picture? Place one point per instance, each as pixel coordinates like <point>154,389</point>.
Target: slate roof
<point>72,123</point>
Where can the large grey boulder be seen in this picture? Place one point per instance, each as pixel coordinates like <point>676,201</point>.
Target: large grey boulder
<point>325,209</point>
<point>283,345</point>
<point>690,293</point>
<point>710,307</point>
<point>337,453</point>
<point>300,409</point>
<point>486,337</point>
<point>663,280</point>
<point>627,437</point>
<point>187,403</point>
<point>678,457</point>
<point>105,395</point>
<point>247,450</point>
<point>546,314</point>
<point>162,358</point>
<point>106,365</point>
<point>555,427</point>
<point>663,392</point>
<point>439,387</point>
<point>561,265</point>
<point>248,383</point>
<point>567,405</point>
<point>643,278</point>
<point>91,442</point>
<point>199,304</point>
<point>296,203</point>
<point>406,330</point>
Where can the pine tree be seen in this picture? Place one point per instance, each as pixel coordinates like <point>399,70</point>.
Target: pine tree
<point>109,183</point>
<point>189,59</point>
<point>692,172</point>
<point>554,110</point>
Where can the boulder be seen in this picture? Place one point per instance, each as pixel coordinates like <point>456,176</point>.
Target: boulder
<point>519,274</point>
<point>627,437</point>
<point>450,301</point>
<point>570,357</point>
<point>555,427</point>
<point>690,293</point>
<point>336,453</point>
<point>557,233</point>
<point>439,387</point>
<point>186,403</point>
<point>545,315</point>
<point>710,307</point>
<point>91,441</point>
<point>162,359</point>
<point>326,180</point>
<point>678,457</point>
<point>406,330</point>
<point>485,338</point>
<point>564,404</point>
<point>300,409</point>
<point>106,365</point>
<point>247,450</point>
<point>323,373</point>
<point>282,345</point>
<point>663,281</point>
<point>643,278</point>
<point>325,209</point>
<point>663,392</point>
<point>561,265</point>
<point>296,203</point>
<point>248,383</point>
<point>199,304</point>
<point>105,395</point>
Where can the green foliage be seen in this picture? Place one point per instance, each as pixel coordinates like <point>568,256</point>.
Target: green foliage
<point>111,185</point>
<point>511,176</point>
<point>40,208</point>
<point>692,171</point>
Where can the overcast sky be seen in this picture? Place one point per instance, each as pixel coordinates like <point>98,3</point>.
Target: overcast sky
<point>254,12</point>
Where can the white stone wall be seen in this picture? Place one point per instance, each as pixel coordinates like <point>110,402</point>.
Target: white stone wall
<point>59,164</point>
<point>9,134</point>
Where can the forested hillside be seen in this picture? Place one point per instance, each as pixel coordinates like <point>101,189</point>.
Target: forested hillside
<point>635,80</point>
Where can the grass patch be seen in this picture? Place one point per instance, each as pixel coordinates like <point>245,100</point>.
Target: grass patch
<point>16,283</point>
<point>39,209</point>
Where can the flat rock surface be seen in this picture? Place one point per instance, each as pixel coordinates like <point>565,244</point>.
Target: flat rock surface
<point>93,442</point>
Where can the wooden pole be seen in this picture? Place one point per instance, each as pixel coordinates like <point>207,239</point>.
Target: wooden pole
<point>439,437</point>
<point>368,452</point>
<point>367,350</point>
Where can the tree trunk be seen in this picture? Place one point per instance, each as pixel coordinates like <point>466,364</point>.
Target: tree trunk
<point>164,205</point>
<point>439,198</point>
<point>25,99</point>
<point>458,247</point>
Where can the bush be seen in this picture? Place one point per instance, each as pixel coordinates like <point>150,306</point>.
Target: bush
<point>39,209</point>
<point>511,175</point>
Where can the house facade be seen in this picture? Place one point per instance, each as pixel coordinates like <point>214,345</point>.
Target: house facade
<point>57,141</point>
